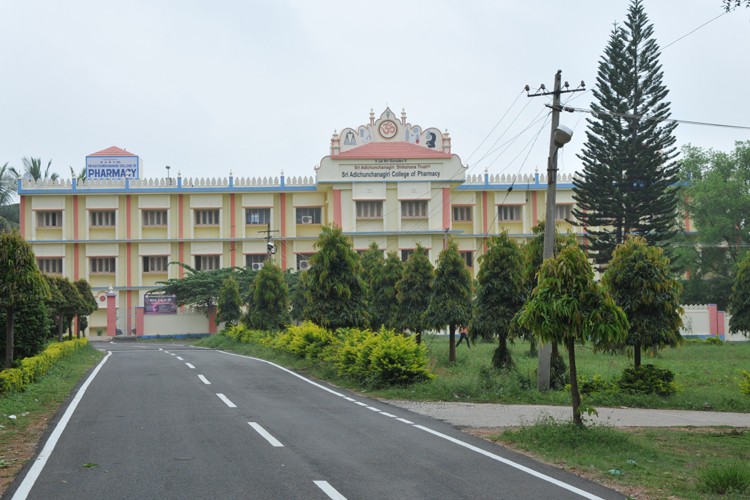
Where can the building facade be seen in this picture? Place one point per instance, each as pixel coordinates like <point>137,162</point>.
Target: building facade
<point>387,181</point>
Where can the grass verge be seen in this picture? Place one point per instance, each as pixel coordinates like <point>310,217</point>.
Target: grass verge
<point>691,463</point>
<point>34,407</point>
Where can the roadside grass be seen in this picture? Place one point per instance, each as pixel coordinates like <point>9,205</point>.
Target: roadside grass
<point>34,407</point>
<point>688,463</point>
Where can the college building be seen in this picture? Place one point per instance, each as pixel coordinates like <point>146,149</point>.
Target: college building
<point>386,181</point>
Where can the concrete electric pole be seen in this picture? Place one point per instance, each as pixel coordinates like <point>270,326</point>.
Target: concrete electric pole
<point>559,136</point>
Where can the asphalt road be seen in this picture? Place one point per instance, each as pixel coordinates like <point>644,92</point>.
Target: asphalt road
<point>168,421</point>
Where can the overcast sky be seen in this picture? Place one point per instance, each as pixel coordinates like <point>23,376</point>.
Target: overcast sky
<point>259,87</point>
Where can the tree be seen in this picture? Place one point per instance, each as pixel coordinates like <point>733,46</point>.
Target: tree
<point>500,295</point>
<point>413,292</point>
<point>269,309</point>
<point>31,329</point>
<point>384,301</point>
<point>87,305</point>
<point>8,211</point>
<point>629,179</point>
<point>730,5</point>
<point>568,306</point>
<point>716,198</point>
<point>640,282</point>
<point>296,287</point>
<point>200,289</point>
<point>739,303</point>
<point>66,301</point>
<point>450,303</point>
<point>229,302</point>
<point>334,287</point>
<point>32,167</point>
<point>20,282</point>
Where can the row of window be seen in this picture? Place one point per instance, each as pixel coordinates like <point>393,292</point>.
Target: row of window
<point>304,215</point>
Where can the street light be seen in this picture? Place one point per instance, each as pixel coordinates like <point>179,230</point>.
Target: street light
<point>168,177</point>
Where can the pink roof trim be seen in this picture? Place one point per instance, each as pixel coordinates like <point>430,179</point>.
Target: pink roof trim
<point>112,151</point>
<point>390,150</point>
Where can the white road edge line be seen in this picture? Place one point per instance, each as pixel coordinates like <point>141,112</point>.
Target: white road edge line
<point>28,482</point>
<point>513,464</point>
<point>190,366</point>
<point>454,440</point>
<point>360,403</point>
<point>387,414</point>
<point>268,437</point>
<point>373,409</point>
<point>204,380</point>
<point>226,400</point>
<point>329,490</point>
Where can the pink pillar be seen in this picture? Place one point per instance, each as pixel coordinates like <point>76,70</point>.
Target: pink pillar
<point>139,321</point>
<point>720,324</point>
<point>337,216</point>
<point>212,319</point>
<point>111,313</point>
<point>713,319</point>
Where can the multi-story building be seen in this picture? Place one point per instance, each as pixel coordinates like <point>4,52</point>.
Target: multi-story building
<point>386,181</point>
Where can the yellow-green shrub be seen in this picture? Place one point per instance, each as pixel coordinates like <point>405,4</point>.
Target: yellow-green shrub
<point>33,368</point>
<point>745,382</point>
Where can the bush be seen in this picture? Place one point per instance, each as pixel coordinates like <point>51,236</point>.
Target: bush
<point>714,340</point>
<point>35,367</point>
<point>647,379</point>
<point>745,383</point>
<point>726,479</point>
<point>597,384</point>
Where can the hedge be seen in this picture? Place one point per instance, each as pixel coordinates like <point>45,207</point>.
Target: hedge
<point>372,358</point>
<point>35,367</point>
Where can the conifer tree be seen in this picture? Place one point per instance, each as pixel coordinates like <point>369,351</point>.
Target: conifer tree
<point>372,262</point>
<point>383,300</point>
<point>414,290</point>
<point>500,295</point>
<point>269,307</point>
<point>629,179</point>
<point>228,303</point>
<point>450,303</point>
<point>334,288</point>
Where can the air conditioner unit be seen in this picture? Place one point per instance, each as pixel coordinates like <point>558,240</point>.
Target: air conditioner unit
<point>307,219</point>
<point>304,265</point>
<point>257,266</point>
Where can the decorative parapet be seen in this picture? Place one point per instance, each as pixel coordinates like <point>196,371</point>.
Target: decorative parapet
<point>479,179</point>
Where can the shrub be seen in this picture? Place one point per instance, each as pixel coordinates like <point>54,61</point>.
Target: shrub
<point>33,368</point>
<point>745,383</point>
<point>648,379</point>
<point>714,340</point>
<point>597,384</point>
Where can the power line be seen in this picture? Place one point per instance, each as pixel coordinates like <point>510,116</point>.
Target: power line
<point>652,118</point>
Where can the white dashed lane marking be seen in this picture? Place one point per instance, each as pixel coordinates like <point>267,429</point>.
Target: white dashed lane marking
<point>204,380</point>
<point>226,400</point>
<point>266,435</point>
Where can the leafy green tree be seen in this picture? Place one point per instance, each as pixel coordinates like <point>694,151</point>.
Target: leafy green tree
<point>629,179</point>
<point>717,200</point>
<point>568,306</point>
<point>66,302</point>
<point>384,300</point>
<point>229,302</point>
<point>413,292</point>
<point>32,167</point>
<point>20,282</point>
<point>371,262</point>
<point>296,286</point>
<point>86,306</point>
<point>31,329</point>
<point>450,303</point>
<point>640,282</point>
<point>269,309</point>
<point>500,295</point>
<point>334,287</point>
<point>739,303</point>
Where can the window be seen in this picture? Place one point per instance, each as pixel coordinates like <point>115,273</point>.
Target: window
<point>369,210</point>
<point>155,264</point>
<point>562,212</point>
<point>414,208</point>
<point>468,258</point>
<point>258,216</point>
<point>207,262</point>
<point>308,215</point>
<point>303,261</point>
<point>49,218</point>
<point>154,217</point>
<point>512,212</point>
<point>405,254</point>
<point>102,218</point>
<point>462,213</point>
<point>51,265</point>
<point>207,217</point>
<point>102,265</point>
<point>255,260</point>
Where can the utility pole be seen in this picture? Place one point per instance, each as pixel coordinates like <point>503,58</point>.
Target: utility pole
<point>558,137</point>
<point>270,247</point>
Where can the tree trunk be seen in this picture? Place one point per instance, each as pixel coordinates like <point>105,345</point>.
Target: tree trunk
<point>533,351</point>
<point>418,337</point>
<point>575,395</point>
<point>60,328</point>
<point>9,340</point>
<point>502,359</point>
<point>637,355</point>
<point>452,351</point>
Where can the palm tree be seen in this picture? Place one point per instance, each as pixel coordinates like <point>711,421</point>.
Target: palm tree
<point>8,211</point>
<point>33,168</point>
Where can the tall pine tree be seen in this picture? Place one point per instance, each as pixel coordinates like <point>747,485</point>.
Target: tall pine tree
<point>629,179</point>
